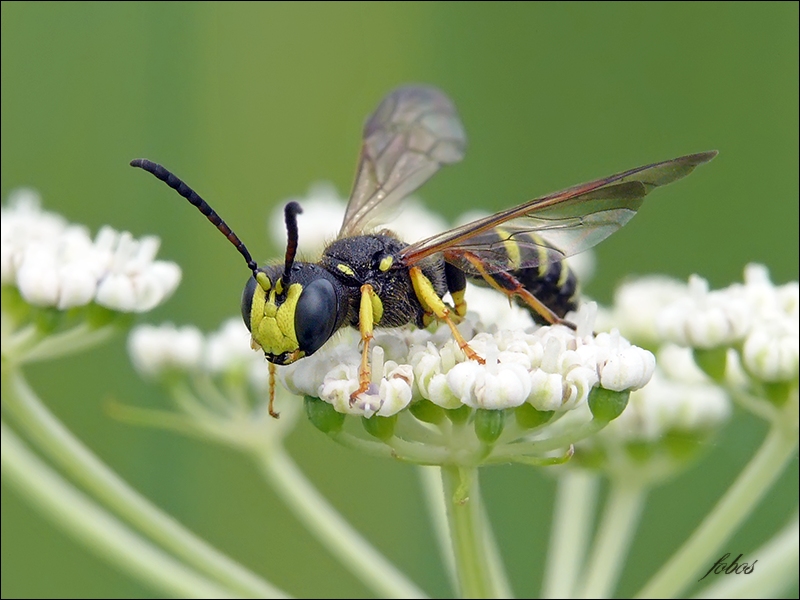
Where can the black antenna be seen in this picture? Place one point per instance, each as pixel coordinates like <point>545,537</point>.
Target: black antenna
<point>184,190</point>
<point>290,213</point>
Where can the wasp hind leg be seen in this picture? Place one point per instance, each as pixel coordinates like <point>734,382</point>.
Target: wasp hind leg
<point>432,303</point>
<point>370,312</point>
<point>509,285</point>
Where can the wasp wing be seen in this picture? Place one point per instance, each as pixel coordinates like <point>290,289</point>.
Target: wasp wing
<point>555,226</point>
<point>413,132</point>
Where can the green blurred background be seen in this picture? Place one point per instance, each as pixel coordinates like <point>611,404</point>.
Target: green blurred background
<point>251,103</point>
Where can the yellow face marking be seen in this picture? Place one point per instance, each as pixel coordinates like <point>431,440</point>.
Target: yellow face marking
<point>512,249</point>
<point>386,263</point>
<point>272,326</point>
<point>263,281</point>
<point>343,268</point>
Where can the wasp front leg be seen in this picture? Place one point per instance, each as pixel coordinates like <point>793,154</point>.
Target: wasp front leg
<point>370,312</point>
<point>432,303</point>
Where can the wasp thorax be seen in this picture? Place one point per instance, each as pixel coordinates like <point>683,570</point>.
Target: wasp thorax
<point>291,321</point>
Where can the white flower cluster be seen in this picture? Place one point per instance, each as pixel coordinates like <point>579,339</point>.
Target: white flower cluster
<point>156,350</point>
<point>756,316</point>
<point>680,398</point>
<point>552,368</point>
<point>54,263</point>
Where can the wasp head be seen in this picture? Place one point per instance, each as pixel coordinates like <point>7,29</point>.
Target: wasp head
<point>291,311</point>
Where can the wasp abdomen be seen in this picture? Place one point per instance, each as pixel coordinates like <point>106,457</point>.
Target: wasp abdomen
<point>555,286</point>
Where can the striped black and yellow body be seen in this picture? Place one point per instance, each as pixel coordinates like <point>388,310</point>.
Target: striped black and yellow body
<point>368,280</point>
<point>550,279</point>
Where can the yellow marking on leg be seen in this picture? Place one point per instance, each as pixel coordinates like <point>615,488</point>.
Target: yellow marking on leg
<point>432,303</point>
<point>366,322</point>
<point>459,304</point>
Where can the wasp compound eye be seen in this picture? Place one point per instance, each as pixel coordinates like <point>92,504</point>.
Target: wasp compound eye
<point>247,300</point>
<point>315,315</point>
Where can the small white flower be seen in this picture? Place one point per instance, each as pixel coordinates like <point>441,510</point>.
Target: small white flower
<point>552,368</point>
<point>704,319</point>
<point>229,349</point>
<point>57,264</point>
<point>668,405</point>
<point>155,350</point>
<point>638,302</point>
<point>770,352</point>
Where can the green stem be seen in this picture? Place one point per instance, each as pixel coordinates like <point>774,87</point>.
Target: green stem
<point>79,338</point>
<point>97,529</point>
<point>333,532</point>
<point>751,485</point>
<point>466,517</point>
<point>65,449</point>
<point>620,518</point>
<point>775,572</point>
<point>433,491</point>
<point>572,527</point>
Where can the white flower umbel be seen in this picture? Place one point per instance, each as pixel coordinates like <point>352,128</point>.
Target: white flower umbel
<point>546,371</point>
<point>63,290</point>
<point>53,263</point>
<point>674,414</point>
<point>219,384</point>
<point>756,320</point>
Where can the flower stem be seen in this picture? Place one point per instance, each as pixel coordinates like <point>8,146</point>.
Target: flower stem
<point>620,517</point>
<point>467,521</point>
<point>97,529</point>
<point>322,521</point>
<point>569,538</point>
<point>433,491</point>
<point>776,570</point>
<point>751,485</point>
<point>64,448</point>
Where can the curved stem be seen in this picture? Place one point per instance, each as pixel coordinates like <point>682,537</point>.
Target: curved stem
<point>776,570</point>
<point>468,525</point>
<point>64,448</point>
<point>620,517</point>
<point>333,532</point>
<point>96,528</point>
<point>751,485</point>
<point>569,538</point>
<point>73,340</point>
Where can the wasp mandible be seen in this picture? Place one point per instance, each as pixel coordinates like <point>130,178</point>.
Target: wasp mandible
<point>369,278</point>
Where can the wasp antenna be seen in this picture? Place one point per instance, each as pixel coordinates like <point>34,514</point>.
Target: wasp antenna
<point>184,190</point>
<point>290,212</point>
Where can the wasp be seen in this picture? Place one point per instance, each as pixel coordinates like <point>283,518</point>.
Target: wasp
<point>369,278</point>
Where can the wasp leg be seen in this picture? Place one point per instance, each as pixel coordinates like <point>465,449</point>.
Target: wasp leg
<point>509,285</point>
<point>456,285</point>
<point>369,313</point>
<point>270,408</point>
<point>431,302</point>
